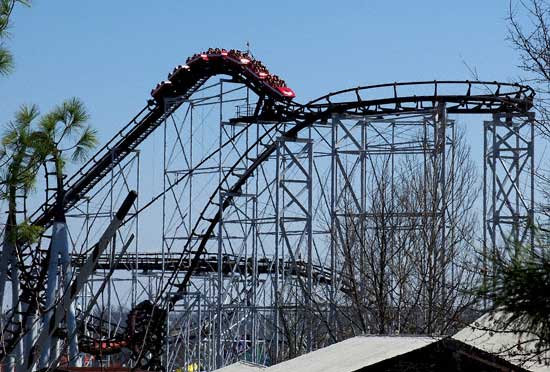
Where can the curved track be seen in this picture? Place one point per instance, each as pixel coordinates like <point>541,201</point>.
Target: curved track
<point>504,98</point>
<point>181,83</point>
<point>274,104</point>
<point>514,98</point>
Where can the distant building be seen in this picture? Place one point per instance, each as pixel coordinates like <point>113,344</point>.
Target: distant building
<point>242,367</point>
<point>391,354</point>
<point>494,334</point>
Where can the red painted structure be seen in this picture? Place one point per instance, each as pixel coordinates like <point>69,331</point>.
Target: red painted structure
<point>215,58</point>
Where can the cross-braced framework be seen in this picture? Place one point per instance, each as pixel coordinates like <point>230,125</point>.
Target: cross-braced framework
<point>227,295</point>
<point>389,181</point>
<point>294,238</point>
<point>509,183</point>
<point>106,296</point>
<point>245,277</point>
<point>266,229</point>
<point>273,273</point>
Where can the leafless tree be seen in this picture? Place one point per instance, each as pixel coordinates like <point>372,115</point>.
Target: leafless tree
<point>519,284</point>
<point>408,258</point>
<point>405,257</point>
<point>528,31</point>
<point>529,34</point>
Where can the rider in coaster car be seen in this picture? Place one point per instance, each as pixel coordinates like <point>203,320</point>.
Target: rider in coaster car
<point>191,58</point>
<point>256,67</point>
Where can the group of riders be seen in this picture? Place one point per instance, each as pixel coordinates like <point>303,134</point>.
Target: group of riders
<point>256,66</point>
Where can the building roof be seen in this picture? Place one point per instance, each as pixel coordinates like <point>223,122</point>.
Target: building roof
<point>492,333</point>
<point>241,367</point>
<point>390,353</point>
<point>97,369</point>
<point>353,354</point>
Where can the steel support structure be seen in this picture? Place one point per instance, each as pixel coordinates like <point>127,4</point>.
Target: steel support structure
<point>294,242</point>
<point>107,296</point>
<point>374,161</point>
<point>258,268</point>
<point>508,185</point>
<point>219,317</point>
<point>256,208</point>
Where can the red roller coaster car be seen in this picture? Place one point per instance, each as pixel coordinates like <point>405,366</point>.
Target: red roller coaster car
<point>161,88</point>
<point>179,69</point>
<point>255,67</point>
<point>287,92</point>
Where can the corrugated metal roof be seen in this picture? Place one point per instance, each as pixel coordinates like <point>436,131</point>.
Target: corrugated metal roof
<point>242,367</point>
<point>353,354</point>
<point>490,333</point>
<point>97,369</point>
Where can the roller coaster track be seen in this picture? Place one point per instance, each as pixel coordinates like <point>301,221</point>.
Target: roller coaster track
<point>182,83</point>
<point>230,264</point>
<point>274,104</point>
<point>503,98</point>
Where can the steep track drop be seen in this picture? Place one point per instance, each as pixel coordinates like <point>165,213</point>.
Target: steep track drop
<point>274,104</point>
<point>494,97</point>
<point>182,83</point>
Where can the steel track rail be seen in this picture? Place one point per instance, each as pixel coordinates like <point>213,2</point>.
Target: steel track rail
<point>183,82</point>
<point>516,98</point>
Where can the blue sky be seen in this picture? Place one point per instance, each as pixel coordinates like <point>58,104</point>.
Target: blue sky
<point>111,53</point>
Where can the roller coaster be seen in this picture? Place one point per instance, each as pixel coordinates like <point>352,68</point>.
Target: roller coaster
<point>144,336</point>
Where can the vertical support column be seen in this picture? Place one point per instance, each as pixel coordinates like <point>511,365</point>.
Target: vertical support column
<point>435,216</point>
<point>16,304</point>
<point>508,183</point>
<point>9,261</point>
<point>178,160</point>
<point>219,297</point>
<point>440,172</point>
<point>135,268</point>
<point>277,275</point>
<point>333,323</point>
<point>70,318</point>
<point>349,187</point>
<point>254,282</point>
<point>163,242</point>
<point>294,234</point>
<point>309,191</point>
<point>46,357</point>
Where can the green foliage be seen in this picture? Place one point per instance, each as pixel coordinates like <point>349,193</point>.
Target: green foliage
<point>26,232</point>
<point>521,288</point>
<point>65,130</point>
<point>17,148</point>
<point>24,148</point>
<point>6,61</point>
<point>29,140</point>
<point>6,9</point>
